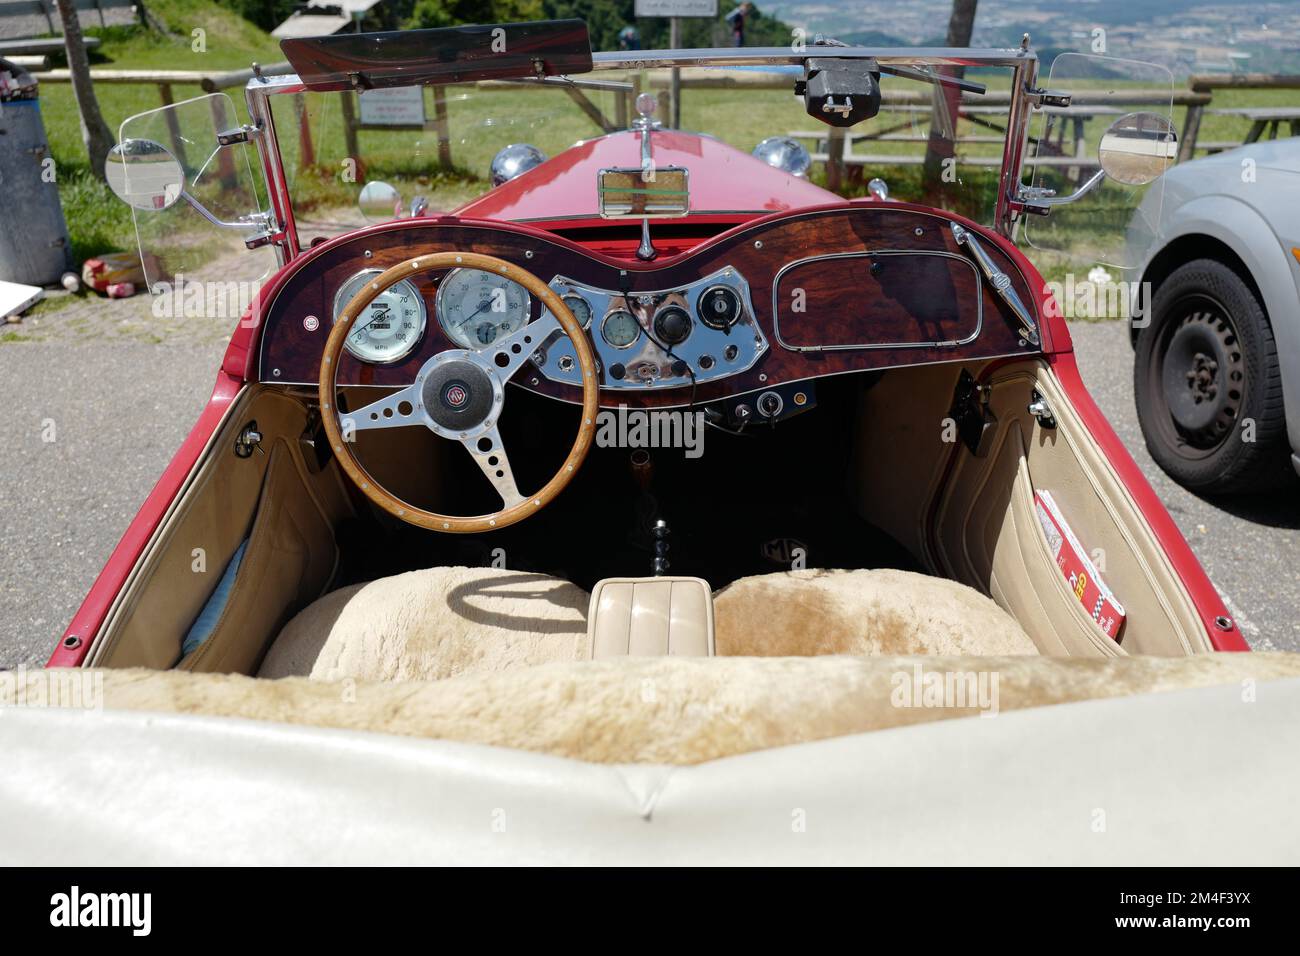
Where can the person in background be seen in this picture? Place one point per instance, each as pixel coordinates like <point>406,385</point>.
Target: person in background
<point>736,20</point>
<point>629,38</point>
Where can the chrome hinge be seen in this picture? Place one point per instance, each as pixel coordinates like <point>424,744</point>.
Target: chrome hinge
<point>1040,97</point>
<point>1042,411</point>
<point>240,134</point>
<point>1029,200</point>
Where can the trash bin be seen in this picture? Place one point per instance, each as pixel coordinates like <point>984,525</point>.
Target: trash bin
<point>34,244</point>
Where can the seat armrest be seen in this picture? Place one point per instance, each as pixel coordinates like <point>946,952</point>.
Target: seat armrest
<point>650,617</point>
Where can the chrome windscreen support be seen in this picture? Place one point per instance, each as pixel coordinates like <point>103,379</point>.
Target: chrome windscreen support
<point>999,280</point>
<point>646,251</point>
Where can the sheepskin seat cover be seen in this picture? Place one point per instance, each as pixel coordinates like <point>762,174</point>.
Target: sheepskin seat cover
<point>441,622</point>
<point>676,710</point>
<point>881,611</point>
<point>431,624</point>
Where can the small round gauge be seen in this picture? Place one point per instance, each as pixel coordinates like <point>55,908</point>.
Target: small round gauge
<point>579,307</point>
<point>390,326</point>
<point>719,307</point>
<point>620,328</point>
<point>475,308</point>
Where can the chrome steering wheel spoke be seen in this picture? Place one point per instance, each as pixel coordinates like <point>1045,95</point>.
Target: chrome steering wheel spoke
<point>508,355</point>
<point>490,454</point>
<point>400,409</point>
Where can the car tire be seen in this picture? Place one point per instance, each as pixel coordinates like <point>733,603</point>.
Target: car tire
<point>1208,386</point>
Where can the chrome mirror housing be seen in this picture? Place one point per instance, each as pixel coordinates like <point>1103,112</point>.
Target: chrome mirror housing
<point>785,153</point>
<point>513,161</point>
<point>379,201</point>
<point>155,180</point>
<point>1138,148</point>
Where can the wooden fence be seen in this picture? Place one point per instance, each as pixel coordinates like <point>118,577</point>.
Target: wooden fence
<point>1196,98</point>
<point>625,93</point>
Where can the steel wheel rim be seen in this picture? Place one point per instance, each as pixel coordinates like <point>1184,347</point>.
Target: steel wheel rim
<point>1196,377</point>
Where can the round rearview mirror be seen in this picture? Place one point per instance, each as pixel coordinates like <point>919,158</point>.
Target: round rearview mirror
<point>1138,148</point>
<point>144,174</point>
<point>379,202</point>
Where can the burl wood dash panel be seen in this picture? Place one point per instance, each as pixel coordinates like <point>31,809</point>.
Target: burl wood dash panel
<point>923,311</point>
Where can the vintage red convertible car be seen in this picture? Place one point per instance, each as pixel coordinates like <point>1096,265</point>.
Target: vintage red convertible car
<point>784,479</point>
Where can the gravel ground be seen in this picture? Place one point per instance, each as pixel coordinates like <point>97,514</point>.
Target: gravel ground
<point>120,402</point>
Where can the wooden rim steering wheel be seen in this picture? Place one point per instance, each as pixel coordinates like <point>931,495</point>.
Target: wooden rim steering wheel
<point>459,394</point>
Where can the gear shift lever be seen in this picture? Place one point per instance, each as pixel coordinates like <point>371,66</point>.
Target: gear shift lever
<point>661,534</point>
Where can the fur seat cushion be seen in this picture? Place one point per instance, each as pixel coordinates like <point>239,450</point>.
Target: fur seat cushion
<point>677,710</point>
<point>883,611</point>
<point>443,622</point>
<point>431,624</point>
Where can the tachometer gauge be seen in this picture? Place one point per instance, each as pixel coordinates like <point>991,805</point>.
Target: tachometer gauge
<point>620,328</point>
<point>390,326</point>
<point>475,308</point>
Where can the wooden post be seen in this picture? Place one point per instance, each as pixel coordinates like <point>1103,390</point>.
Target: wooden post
<point>441,127</point>
<point>835,159</point>
<point>675,41</point>
<point>1191,129</point>
<point>306,148</point>
<point>225,161</point>
<point>350,133</point>
<point>173,128</point>
<point>620,110</point>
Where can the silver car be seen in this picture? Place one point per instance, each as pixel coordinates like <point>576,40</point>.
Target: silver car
<point>1217,370</point>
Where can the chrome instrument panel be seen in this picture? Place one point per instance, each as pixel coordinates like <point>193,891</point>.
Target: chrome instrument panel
<point>648,359</point>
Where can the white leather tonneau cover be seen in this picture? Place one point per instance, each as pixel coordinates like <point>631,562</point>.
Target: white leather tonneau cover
<point>1183,777</point>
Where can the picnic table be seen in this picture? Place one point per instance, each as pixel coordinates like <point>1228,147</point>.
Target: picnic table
<point>1265,119</point>
<point>1054,150</point>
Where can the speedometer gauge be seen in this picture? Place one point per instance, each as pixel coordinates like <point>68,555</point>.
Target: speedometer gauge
<point>475,308</point>
<point>390,326</point>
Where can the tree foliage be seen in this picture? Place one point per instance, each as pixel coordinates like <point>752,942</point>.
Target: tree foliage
<point>605,18</point>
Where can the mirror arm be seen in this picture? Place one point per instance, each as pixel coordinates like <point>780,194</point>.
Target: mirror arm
<point>1038,196</point>
<point>248,222</point>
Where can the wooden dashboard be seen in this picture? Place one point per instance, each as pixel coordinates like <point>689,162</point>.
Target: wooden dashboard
<point>841,289</point>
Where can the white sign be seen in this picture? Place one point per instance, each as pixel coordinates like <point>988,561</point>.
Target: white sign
<point>399,106</point>
<point>676,8</point>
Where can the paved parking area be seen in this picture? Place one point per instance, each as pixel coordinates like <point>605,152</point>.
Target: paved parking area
<point>120,405</point>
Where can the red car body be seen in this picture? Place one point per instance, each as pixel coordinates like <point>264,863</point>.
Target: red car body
<point>544,200</point>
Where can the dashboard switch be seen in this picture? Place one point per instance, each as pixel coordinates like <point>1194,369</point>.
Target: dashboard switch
<point>770,404</point>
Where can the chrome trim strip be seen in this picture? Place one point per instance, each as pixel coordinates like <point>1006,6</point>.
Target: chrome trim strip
<point>788,56</point>
<point>868,254</point>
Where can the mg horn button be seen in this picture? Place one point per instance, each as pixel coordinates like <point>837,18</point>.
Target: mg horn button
<point>458,395</point>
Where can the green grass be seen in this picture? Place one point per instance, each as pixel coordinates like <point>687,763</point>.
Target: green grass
<point>482,120</point>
